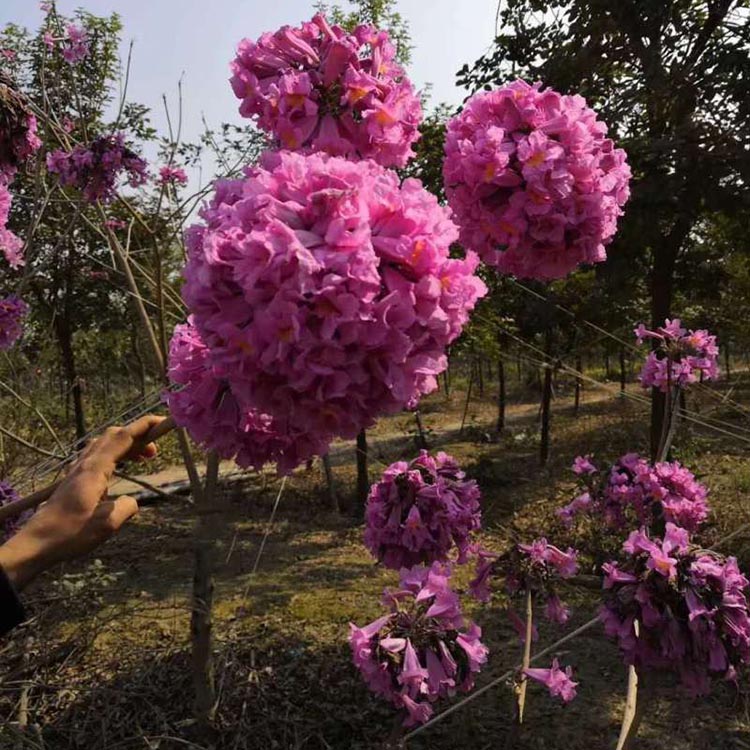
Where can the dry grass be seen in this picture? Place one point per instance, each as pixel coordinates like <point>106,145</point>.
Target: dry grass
<point>105,661</point>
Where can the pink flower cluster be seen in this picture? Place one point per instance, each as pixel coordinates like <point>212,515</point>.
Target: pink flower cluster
<point>682,357</point>
<point>419,510</point>
<point>75,45</point>
<point>172,176</point>
<point>18,141</point>
<point>325,291</point>
<point>691,606</point>
<point>208,409</point>
<point>317,87</point>
<point>535,185</point>
<point>559,683</point>
<point>95,169</point>
<point>10,526</point>
<point>634,490</point>
<point>424,649</point>
<point>534,568</point>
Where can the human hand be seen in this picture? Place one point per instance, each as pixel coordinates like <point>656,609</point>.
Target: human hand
<point>79,516</point>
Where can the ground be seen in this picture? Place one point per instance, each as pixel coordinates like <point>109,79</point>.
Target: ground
<point>105,661</point>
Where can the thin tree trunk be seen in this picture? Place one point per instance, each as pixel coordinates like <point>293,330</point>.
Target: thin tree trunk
<point>447,382</point>
<point>480,376</point>
<point>546,404</point>
<point>363,482</point>
<point>607,370</point>
<point>579,385</point>
<point>623,372</point>
<point>332,497</point>
<point>421,436</point>
<point>500,395</point>
<point>65,341</point>
<point>468,399</point>
<point>203,592</point>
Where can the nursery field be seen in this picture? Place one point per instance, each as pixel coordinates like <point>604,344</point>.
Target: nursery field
<point>105,661</point>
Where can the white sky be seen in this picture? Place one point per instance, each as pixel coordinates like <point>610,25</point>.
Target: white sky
<point>197,40</point>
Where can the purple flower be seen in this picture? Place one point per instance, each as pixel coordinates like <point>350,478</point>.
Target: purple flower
<point>420,652</point>
<point>535,185</point>
<point>634,490</point>
<point>683,357</point>
<point>10,527</point>
<point>556,611</point>
<point>95,169</point>
<point>418,512</point>
<point>317,87</point>
<point>75,44</point>
<point>216,420</point>
<point>692,607</point>
<point>325,291</point>
<point>172,176</point>
<point>13,310</point>
<point>583,465</point>
<point>558,683</point>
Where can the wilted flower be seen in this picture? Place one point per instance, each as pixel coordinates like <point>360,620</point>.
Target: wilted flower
<point>422,651</point>
<point>317,87</point>
<point>535,185</point>
<point>420,510</point>
<point>533,568</point>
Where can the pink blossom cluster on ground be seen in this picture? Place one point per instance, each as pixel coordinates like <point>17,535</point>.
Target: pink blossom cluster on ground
<point>635,491</point>
<point>95,169</point>
<point>420,510</point>
<point>424,649</point>
<point>216,420</point>
<point>691,605</point>
<point>682,356</point>
<point>316,86</point>
<point>535,185</point>
<point>325,292</point>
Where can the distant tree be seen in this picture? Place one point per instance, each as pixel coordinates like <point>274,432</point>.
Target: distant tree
<point>670,78</point>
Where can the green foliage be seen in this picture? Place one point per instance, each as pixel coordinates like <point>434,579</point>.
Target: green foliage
<point>379,13</point>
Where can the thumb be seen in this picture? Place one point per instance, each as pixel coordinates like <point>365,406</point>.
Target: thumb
<point>117,512</point>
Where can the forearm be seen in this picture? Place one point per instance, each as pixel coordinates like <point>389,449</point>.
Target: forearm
<point>22,559</point>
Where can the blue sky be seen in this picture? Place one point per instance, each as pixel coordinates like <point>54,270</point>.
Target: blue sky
<point>197,39</point>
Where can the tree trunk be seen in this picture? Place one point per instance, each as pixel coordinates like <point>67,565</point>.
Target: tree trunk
<point>607,370</point>
<point>468,399</point>
<point>662,284</point>
<point>480,376</point>
<point>579,385</point>
<point>363,482</point>
<point>332,497</point>
<point>201,623</point>
<point>421,436</point>
<point>447,382</point>
<point>500,395</point>
<point>65,341</point>
<point>546,404</point>
<point>623,372</point>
